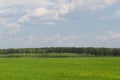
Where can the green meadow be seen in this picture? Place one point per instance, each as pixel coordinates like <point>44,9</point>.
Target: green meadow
<point>83,68</point>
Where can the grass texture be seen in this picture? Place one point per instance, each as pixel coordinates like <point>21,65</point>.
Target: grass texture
<point>86,68</point>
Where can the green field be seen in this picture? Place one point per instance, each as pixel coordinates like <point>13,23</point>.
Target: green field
<point>100,68</point>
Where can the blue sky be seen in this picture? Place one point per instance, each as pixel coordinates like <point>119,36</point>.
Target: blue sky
<point>59,23</point>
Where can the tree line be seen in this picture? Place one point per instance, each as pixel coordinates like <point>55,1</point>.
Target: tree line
<point>58,50</point>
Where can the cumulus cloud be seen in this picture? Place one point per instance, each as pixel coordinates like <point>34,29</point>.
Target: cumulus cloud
<point>110,35</point>
<point>36,13</point>
<point>109,39</point>
<point>66,8</point>
<point>15,14</point>
<point>26,11</point>
<point>13,27</point>
<point>24,3</point>
<point>46,12</point>
<point>59,40</point>
<point>117,13</point>
<point>40,12</point>
<point>32,39</point>
<point>6,11</point>
<point>9,27</point>
<point>24,18</point>
<point>94,4</point>
<point>55,10</point>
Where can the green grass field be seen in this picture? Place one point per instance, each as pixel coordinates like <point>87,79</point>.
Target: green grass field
<point>100,68</point>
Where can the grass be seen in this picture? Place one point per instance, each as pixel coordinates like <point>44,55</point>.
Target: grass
<point>87,68</point>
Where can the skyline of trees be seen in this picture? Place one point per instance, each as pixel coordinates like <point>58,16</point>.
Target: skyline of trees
<point>77,50</point>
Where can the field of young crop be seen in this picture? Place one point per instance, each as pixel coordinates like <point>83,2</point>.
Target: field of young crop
<point>99,68</point>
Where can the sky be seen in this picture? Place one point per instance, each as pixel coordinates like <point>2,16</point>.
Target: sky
<point>59,23</point>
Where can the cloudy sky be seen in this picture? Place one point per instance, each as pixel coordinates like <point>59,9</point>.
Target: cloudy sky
<point>51,23</point>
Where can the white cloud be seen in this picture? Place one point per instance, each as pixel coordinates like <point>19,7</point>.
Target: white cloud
<point>13,27</point>
<point>24,2</point>
<point>15,13</point>
<point>109,39</point>
<point>117,13</point>
<point>40,12</point>
<point>24,18</point>
<point>49,23</point>
<point>66,8</point>
<point>47,11</point>
<point>94,4</point>
<point>55,10</point>
<point>110,2</point>
<point>9,27</point>
<point>107,17</point>
<point>4,11</point>
<point>32,40</point>
<point>110,35</point>
<point>59,40</point>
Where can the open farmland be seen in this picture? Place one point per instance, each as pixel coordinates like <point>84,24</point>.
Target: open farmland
<point>100,68</point>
